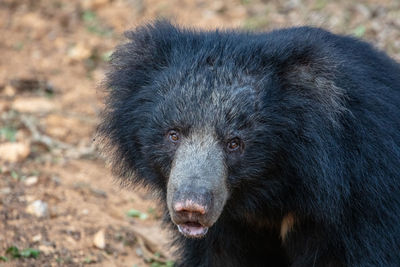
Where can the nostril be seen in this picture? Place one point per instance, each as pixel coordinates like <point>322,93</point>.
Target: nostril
<point>189,206</point>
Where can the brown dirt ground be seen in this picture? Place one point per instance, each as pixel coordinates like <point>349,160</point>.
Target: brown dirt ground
<point>53,55</point>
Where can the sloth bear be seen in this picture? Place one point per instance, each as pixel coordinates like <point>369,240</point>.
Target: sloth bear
<point>265,149</point>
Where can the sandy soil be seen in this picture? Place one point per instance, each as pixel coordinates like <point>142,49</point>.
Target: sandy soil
<point>56,194</point>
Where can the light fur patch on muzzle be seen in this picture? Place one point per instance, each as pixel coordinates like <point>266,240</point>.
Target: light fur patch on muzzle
<point>197,190</point>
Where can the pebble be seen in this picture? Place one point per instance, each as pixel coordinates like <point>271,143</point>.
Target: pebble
<point>5,190</point>
<point>46,249</point>
<point>95,4</point>
<point>99,240</point>
<point>38,208</point>
<point>33,105</point>
<point>14,152</point>
<point>37,238</point>
<point>32,180</point>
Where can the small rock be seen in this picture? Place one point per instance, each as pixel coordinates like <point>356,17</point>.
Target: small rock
<point>70,240</point>
<point>37,238</point>
<point>38,208</point>
<point>99,240</point>
<point>9,91</point>
<point>139,252</point>
<point>98,192</point>
<point>85,211</point>
<point>79,52</point>
<point>14,152</point>
<point>31,180</point>
<point>95,4</point>
<point>33,105</point>
<point>5,191</point>
<point>46,249</point>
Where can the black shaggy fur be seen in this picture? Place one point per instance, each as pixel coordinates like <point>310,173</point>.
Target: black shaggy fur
<point>321,129</point>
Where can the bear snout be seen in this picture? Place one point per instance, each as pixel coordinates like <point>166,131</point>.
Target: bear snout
<point>191,207</point>
<point>191,213</point>
<point>196,190</point>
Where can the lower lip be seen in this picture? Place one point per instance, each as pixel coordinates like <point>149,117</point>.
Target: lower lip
<point>193,230</point>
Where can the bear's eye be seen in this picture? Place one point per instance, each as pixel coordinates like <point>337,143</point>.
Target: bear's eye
<point>173,136</point>
<point>234,144</point>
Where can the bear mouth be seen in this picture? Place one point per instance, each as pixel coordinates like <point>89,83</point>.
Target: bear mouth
<point>192,229</point>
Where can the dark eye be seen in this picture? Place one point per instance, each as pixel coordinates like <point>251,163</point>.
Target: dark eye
<point>234,144</point>
<point>173,136</point>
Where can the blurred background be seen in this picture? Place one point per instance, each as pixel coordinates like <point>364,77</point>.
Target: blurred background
<point>59,205</point>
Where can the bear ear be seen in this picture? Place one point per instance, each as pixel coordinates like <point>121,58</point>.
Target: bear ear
<point>134,64</point>
<point>309,73</point>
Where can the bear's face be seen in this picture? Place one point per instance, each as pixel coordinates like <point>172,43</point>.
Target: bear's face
<point>202,130</point>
